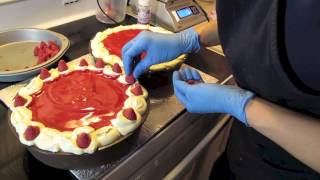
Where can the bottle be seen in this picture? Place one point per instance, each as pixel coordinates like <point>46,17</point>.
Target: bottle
<point>144,11</point>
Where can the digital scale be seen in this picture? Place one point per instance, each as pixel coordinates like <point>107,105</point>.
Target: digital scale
<point>176,15</point>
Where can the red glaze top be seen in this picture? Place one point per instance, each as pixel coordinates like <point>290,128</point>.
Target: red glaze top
<point>115,41</point>
<point>63,102</point>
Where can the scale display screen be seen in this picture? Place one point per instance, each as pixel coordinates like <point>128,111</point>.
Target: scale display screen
<point>185,12</point>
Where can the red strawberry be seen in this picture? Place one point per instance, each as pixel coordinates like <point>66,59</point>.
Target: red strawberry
<point>40,52</point>
<point>137,90</point>
<point>43,45</point>
<point>41,58</point>
<point>46,57</point>
<point>116,68</point>
<point>62,66</point>
<point>99,63</point>
<point>31,132</point>
<point>54,52</point>
<point>192,81</point>
<point>53,45</point>
<point>83,140</point>
<point>49,53</point>
<point>44,73</point>
<point>36,51</point>
<point>19,101</point>
<point>129,114</point>
<point>83,62</point>
<point>130,79</point>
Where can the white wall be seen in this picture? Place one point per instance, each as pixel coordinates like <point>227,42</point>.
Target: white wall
<point>43,13</point>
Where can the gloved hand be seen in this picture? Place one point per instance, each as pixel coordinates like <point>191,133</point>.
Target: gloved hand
<point>159,48</point>
<point>210,98</point>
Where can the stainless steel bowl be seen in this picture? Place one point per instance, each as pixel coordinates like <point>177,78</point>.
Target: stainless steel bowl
<point>17,61</point>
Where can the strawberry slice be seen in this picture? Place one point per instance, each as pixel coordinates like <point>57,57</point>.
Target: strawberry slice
<point>99,63</point>
<point>137,90</point>
<point>62,66</point>
<point>54,52</point>
<point>130,79</point>
<point>44,73</point>
<point>43,45</point>
<point>53,45</point>
<point>36,51</point>
<point>19,101</point>
<point>31,133</point>
<point>41,58</point>
<point>116,68</point>
<point>83,62</point>
<point>49,53</point>
<point>83,140</point>
<point>130,114</point>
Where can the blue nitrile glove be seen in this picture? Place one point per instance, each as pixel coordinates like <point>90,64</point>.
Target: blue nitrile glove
<point>159,48</point>
<point>210,98</point>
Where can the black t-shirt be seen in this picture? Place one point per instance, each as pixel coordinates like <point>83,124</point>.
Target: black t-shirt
<point>272,49</point>
<point>302,40</point>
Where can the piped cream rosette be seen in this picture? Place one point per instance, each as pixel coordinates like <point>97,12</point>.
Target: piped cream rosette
<point>99,51</point>
<point>84,139</point>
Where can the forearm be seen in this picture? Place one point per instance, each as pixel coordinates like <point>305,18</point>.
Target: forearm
<point>208,33</point>
<point>297,133</point>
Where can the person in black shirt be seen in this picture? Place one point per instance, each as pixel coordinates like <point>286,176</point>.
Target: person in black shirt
<point>271,46</point>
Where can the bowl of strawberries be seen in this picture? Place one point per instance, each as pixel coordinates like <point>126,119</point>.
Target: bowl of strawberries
<point>25,51</point>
